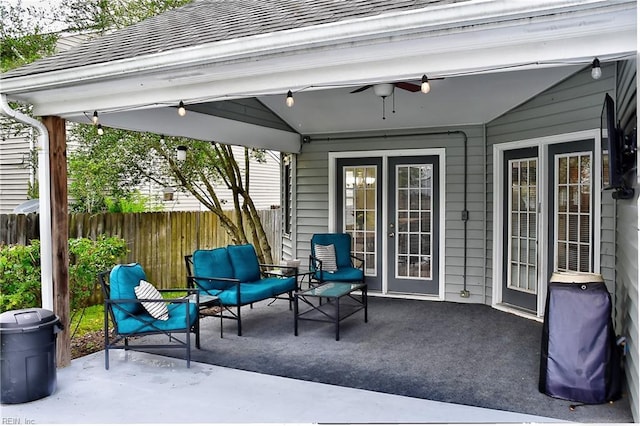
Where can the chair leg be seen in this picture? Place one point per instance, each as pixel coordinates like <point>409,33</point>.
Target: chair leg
<point>106,337</point>
<point>239,322</point>
<point>188,342</point>
<point>197,330</point>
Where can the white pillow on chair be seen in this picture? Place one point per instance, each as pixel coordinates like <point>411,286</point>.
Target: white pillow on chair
<point>146,290</point>
<point>327,254</point>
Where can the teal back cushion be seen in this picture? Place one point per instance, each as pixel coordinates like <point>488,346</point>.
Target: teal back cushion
<point>342,244</point>
<point>245,262</point>
<point>213,263</point>
<point>122,280</point>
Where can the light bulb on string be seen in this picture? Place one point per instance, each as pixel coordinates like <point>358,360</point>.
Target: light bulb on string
<point>94,119</point>
<point>181,109</point>
<point>596,71</point>
<point>100,130</point>
<point>425,87</point>
<point>289,101</point>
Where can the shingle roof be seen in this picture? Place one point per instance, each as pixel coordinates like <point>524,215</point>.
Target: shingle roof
<point>209,21</point>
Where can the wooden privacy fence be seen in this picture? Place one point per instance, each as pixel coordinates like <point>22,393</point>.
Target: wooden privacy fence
<point>157,240</point>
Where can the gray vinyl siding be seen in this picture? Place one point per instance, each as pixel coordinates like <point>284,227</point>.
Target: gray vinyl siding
<point>312,201</point>
<point>570,106</point>
<point>14,175</point>
<point>627,248</point>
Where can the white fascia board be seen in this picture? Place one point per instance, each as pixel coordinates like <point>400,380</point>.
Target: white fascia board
<point>204,127</point>
<point>466,16</point>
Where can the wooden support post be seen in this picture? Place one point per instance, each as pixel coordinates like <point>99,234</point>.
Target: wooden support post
<point>60,233</point>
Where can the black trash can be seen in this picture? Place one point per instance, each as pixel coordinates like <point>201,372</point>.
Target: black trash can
<point>28,354</point>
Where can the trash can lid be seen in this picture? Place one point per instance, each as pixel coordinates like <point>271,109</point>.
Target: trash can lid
<point>26,318</point>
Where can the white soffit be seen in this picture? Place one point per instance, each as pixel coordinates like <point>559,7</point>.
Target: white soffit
<point>204,127</point>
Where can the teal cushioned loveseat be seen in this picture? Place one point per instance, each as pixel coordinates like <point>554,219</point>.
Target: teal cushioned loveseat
<point>235,276</point>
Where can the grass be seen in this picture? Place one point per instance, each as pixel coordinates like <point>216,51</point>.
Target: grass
<point>92,320</point>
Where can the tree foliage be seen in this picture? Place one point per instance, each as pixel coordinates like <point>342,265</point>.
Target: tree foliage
<point>105,15</point>
<point>120,161</point>
<point>24,34</point>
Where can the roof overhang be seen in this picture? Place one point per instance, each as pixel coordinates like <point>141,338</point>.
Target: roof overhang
<point>473,44</point>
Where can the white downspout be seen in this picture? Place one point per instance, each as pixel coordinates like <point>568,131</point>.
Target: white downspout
<point>46,251</point>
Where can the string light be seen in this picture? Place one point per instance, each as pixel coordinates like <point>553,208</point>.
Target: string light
<point>425,87</point>
<point>162,139</point>
<point>596,72</point>
<point>181,153</point>
<point>95,118</point>
<point>181,110</point>
<point>289,100</point>
<point>100,130</point>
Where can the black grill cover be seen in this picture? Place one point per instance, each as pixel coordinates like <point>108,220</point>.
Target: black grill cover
<point>579,358</point>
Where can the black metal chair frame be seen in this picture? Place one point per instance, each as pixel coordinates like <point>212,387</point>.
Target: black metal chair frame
<point>192,283</point>
<point>315,265</point>
<point>114,343</point>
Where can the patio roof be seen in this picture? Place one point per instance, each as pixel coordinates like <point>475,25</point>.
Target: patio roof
<point>212,51</point>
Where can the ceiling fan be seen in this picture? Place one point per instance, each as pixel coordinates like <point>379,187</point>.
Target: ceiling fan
<point>386,89</point>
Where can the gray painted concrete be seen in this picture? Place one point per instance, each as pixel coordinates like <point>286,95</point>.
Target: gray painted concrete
<point>143,388</point>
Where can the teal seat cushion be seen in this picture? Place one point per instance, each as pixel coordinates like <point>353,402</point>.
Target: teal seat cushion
<point>144,323</point>
<point>245,262</point>
<point>278,285</point>
<point>250,293</point>
<point>212,263</point>
<point>343,274</point>
<point>122,281</point>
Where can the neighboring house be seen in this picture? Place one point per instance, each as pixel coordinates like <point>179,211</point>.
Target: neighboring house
<point>16,176</point>
<point>264,187</point>
<point>475,192</point>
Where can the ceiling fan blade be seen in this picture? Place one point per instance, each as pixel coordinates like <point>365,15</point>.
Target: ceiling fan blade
<point>408,86</point>
<point>361,89</point>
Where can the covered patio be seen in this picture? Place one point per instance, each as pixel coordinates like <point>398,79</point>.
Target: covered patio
<point>232,67</point>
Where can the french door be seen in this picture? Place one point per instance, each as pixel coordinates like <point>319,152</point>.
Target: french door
<point>556,210</point>
<point>413,225</point>
<point>391,207</point>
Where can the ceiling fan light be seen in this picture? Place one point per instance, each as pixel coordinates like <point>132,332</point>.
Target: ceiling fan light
<point>383,90</point>
<point>425,87</point>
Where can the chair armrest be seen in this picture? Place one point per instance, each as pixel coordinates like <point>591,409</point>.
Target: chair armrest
<point>192,280</point>
<point>315,264</point>
<point>285,271</point>
<point>361,266</point>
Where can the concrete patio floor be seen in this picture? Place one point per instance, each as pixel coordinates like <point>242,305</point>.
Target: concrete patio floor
<point>145,388</point>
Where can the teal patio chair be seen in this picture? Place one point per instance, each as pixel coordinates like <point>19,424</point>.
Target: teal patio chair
<point>131,319</point>
<point>331,259</point>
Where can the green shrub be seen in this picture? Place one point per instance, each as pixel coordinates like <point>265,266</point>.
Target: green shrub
<point>19,276</point>
<point>20,270</point>
<point>86,259</point>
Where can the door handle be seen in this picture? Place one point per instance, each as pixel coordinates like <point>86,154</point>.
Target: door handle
<point>392,234</point>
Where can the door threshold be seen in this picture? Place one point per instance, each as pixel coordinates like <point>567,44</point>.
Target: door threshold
<point>410,296</point>
<point>518,310</point>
